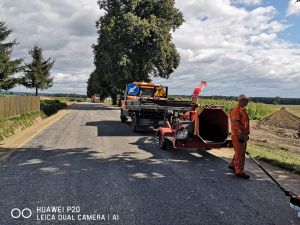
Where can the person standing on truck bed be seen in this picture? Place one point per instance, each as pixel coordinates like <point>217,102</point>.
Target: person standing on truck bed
<point>240,130</point>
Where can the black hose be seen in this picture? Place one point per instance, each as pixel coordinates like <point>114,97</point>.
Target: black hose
<point>287,192</point>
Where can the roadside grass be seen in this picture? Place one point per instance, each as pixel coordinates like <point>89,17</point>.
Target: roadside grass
<point>10,126</point>
<point>276,157</point>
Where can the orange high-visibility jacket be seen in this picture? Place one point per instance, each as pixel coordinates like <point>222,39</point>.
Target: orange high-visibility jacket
<point>239,121</point>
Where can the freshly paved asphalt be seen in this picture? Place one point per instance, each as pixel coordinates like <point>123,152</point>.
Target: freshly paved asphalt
<point>91,160</point>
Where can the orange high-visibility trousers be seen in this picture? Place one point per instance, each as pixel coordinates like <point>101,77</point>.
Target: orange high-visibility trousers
<point>238,161</point>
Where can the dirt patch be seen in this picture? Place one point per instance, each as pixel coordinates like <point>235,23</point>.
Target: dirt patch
<point>282,119</point>
<point>272,137</point>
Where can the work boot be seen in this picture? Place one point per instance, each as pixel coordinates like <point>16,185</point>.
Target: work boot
<point>231,168</point>
<point>243,175</point>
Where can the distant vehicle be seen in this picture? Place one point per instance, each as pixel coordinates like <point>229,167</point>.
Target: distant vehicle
<point>95,98</point>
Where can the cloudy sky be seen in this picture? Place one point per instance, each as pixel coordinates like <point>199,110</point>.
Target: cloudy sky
<point>237,46</point>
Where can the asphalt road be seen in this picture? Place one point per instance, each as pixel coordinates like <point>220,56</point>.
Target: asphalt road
<point>91,160</point>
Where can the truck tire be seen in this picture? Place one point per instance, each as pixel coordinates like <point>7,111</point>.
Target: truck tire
<point>169,146</point>
<point>162,142</point>
<point>122,117</point>
<point>134,126</point>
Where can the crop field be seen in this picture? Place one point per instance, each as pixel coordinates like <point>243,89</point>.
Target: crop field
<point>294,109</point>
<point>257,111</point>
<point>275,145</point>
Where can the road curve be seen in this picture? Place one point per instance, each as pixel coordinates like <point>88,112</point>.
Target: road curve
<point>91,160</point>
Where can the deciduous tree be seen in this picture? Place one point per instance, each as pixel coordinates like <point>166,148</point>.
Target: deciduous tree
<point>97,85</point>
<point>135,41</point>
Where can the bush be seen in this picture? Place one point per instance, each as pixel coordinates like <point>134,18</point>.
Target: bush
<point>50,107</point>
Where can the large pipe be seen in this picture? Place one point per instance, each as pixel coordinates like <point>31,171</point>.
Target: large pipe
<point>212,125</point>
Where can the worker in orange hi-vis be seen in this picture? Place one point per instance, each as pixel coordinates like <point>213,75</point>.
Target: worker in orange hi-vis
<point>240,131</point>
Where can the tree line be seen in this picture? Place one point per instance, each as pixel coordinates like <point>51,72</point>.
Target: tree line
<point>134,44</point>
<point>35,74</point>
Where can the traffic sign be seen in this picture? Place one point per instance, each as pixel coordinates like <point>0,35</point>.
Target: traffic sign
<point>133,89</point>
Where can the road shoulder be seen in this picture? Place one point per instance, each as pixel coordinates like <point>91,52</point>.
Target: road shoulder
<point>9,145</point>
<point>289,180</point>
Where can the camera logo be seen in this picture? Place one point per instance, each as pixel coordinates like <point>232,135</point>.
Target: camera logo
<point>24,213</point>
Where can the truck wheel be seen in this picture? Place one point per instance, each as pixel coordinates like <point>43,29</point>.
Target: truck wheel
<point>123,119</point>
<point>134,127</point>
<point>161,142</point>
<point>169,146</point>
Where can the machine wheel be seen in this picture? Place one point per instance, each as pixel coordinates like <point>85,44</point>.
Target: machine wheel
<point>161,142</point>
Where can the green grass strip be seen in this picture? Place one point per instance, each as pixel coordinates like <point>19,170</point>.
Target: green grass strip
<point>9,126</point>
<point>276,157</point>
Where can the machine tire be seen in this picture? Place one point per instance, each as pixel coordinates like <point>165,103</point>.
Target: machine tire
<point>161,142</point>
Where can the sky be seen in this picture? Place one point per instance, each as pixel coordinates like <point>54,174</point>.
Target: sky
<point>236,46</point>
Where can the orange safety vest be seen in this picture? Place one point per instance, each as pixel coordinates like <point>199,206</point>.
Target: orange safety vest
<point>239,121</point>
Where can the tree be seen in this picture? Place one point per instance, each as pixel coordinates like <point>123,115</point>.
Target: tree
<point>37,73</point>
<point>8,67</point>
<point>97,85</point>
<point>135,41</point>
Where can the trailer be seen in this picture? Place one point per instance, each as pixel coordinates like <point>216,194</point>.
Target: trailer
<point>148,105</point>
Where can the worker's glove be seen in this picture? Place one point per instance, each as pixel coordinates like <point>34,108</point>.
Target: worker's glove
<point>241,138</point>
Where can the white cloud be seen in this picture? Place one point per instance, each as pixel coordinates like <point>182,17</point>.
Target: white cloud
<point>247,2</point>
<point>293,8</point>
<point>235,50</point>
<point>64,29</point>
